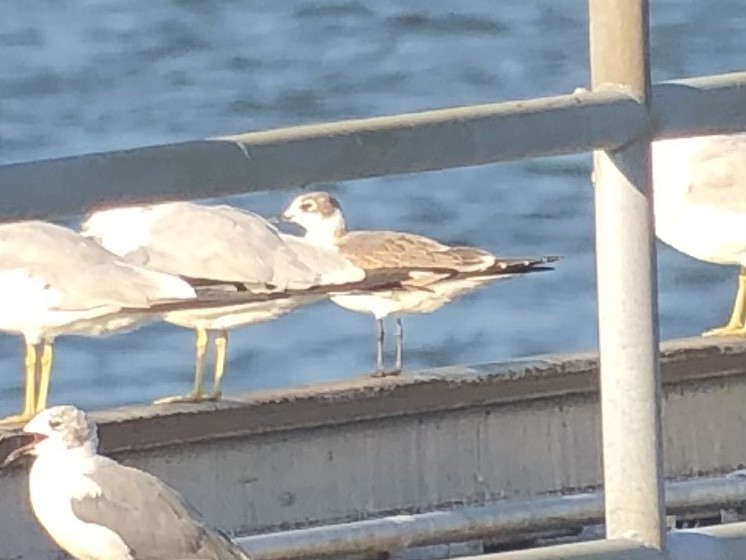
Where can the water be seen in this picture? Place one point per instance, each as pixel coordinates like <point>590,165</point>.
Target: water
<point>97,75</point>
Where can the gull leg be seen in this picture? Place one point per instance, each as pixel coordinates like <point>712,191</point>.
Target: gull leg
<point>197,393</point>
<point>379,349</point>
<point>29,399</point>
<point>47,356</point>
<point>736,326</point>
<point>399,348</point>
<point>221,350</point>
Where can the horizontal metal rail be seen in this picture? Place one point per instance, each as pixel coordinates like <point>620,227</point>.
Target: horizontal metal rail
<point>718,542</point>
<point>404,531</point>
<point>354,149</point>
<point>722,542</point>
<point>595,550</point>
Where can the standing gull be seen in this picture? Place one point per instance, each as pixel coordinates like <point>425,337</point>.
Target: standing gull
<point>700,206</point>
<point>96,509</point>
<point>220,248</point>
<point>55,282</point>
<point>438,273</point>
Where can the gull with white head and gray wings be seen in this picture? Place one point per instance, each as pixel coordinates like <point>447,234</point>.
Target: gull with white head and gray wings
<point>97,509</point>
<point>223,248</point>
<point>55,282</point>
<point>438,273</point>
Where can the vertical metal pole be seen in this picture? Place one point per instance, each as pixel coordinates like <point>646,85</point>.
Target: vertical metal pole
<point>627,303</point>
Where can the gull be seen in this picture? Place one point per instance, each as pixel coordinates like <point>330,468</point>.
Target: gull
<point>55,282</point>
<point>97,509</point>
<point>700,206</point>
<point>220,248</point>
<point>438,273</point>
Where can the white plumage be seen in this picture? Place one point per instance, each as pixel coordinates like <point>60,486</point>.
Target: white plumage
<point>219,245</point>
<point>436,273</point>
<point>700,205</point>
<point>55,282</point>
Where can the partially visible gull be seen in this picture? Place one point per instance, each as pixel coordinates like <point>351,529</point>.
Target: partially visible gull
<point>55,282</point>
<point>438,273</point>
<point>97,509</point>
<point>220,248</point>
<point>700,206</point>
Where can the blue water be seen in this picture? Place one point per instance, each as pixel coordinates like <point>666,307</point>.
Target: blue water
<point>97,75</point>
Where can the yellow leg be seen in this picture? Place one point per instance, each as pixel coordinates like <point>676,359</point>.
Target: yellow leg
<point>221,349</point>
<point>197,393</point>
<point>29,399</point>
<point>737,324</point>
<point>47,356</point>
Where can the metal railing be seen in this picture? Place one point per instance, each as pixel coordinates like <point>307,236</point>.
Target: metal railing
<point>619,117</point>
<point>442,139</point>
<point>506,517</point>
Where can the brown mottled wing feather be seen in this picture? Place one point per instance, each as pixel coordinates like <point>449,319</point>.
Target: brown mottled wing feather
<point>382,249</point>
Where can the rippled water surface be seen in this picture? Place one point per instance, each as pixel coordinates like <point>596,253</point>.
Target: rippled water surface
<point>99,75</point>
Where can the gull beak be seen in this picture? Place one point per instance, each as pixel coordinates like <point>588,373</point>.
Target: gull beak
<point>276,219</point>
<point>23,446</point>
<point>291,228</point>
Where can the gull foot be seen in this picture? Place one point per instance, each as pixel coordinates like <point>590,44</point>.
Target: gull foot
<point>384,373</point>
<point>190,398</point>
<point>727,330</point>
<point>15,421</point>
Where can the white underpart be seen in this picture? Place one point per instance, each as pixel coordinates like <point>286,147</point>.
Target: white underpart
<point>413,300</point>
<point>53,282</point>
<point>31,307</point>
<point>693,178</point>
<point>228,317</point>
<point>57,476</point>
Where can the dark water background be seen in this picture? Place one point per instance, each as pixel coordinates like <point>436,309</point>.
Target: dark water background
<point>95,75</point>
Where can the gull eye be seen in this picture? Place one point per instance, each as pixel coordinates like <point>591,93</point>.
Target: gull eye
<point>307,206</point>
<point>54,423</point>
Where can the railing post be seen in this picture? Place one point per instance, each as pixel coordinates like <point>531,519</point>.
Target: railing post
<point>627,304</point>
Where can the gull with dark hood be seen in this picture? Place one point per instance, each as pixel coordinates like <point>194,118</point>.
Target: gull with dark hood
<point>97,509</point>
<point>438,273</point>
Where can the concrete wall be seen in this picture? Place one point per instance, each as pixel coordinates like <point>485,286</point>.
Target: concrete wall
<point>366,447</point>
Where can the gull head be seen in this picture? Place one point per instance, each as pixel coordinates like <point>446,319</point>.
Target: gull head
<point>55,431</point>
<point>320,214</point>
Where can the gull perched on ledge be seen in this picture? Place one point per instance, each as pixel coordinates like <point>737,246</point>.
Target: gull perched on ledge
<point>222,248</point>
<point>438,273</point>
<point>700,206</point>
<point>55,282</point>
<point>97,509</point>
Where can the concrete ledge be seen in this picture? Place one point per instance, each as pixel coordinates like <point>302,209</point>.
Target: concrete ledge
<point>436,440</point>
<point>687,361</point>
